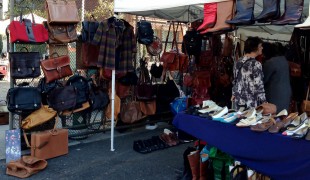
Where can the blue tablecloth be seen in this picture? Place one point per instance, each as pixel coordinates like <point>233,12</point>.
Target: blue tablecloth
<point>275,155</point>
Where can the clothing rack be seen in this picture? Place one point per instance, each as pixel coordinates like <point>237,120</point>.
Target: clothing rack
<point>275,40</point>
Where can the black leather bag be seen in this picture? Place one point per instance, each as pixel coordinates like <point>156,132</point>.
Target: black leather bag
<point>45,88</point>
<point>99,98</point>
<point>21,100</point>
<point>145,33</point>
<point>89,29</point>
<point>81,85</point>
<point>130,78</point>
<point>62,98</point>
<point>25,64</point>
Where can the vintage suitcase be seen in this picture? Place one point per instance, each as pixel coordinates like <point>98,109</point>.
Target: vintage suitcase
<point>49,144</point>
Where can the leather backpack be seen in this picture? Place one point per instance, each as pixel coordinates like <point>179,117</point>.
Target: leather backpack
<point>145,33</point>
<point>81,85</point>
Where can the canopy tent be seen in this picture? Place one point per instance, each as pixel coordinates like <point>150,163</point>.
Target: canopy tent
<point>188,11</point>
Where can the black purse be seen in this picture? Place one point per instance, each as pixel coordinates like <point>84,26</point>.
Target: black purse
<point>25,64</point>
<point>62,98</point>
<point>21,100</point>
<point>89,29</point>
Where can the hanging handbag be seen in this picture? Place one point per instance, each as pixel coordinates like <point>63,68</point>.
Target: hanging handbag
<point>56,67</point>
<point>99,98</point>
<point>89,29</point>
<point>62,98</point>
<point>130,111</point>
<point>145,33</point>
<point>295,69</point>
<point>61,33</point>
<point>38,117</point>
<point>62,12</point>
<point>155,47</point>
<point>24,64</point>
<point>144,89</point>
<point>156,70</point>
<point>22,100</point>
<point>25,31</point>
<point>117,106</point>
<point>174,60</point>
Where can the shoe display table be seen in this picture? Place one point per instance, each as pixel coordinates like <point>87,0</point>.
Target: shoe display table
<point>275,155</point>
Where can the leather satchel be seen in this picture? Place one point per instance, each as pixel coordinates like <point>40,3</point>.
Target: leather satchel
<point>49,144</point>
<point>62,98</point>
<point>90,54</point>
<point>62,12</point>
<point>25,31</point>
<point>268,108</point>
<point>61,33</point>
<point>56,67</point>
<point>305,105</point>
<point>38,117</point>
<point>25,64</point>
<point>148,107</point>
<point>295,69</point>
<point>22,100</point>
<point>131,112</point>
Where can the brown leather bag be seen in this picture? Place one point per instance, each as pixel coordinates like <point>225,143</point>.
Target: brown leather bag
<point>62,11</point>
<point>174,60</point>
<point>131,112</point>
<point>305,105</point>
<point>38,117</point>
<point>56,67</point>
<point>148,107</point>
<point>268,108</point>
<point>295,69</point>
<point>49,144</point>
<point>90,54</point>
<point>61,33</point>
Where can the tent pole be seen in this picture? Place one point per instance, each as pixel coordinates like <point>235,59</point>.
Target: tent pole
<point>112,111</point>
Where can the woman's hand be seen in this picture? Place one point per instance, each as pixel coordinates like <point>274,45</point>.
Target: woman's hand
<point>232,98</point>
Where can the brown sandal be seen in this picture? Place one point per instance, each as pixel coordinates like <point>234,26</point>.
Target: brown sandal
<point>263,126</point>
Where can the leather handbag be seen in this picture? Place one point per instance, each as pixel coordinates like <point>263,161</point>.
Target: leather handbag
<point>117,107</point>
<point>49,144</point>
<point>62,12</point>
<point>174,60</point>
<point>61,33</point>
<point>144,89</point>
<point>148,107</point>
<point>295,69</point>
<point>155,47</point>
<point>131,112</point>
<point>56,67</point>
<point>90,54</point>
<point>62,98</point>
<point>22,100</point>
<point>156,70</point>
<point>38,117</point>
<point>25,64</point>
<point>25,31</point>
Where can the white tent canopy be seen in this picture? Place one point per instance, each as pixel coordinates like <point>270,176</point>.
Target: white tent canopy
<point>187,11</point>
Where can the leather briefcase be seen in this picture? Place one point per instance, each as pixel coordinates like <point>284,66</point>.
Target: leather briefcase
<point>62,12</point>
<point>49,144</point>
<point>56,68</point>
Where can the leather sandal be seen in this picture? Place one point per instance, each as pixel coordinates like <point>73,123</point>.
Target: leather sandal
<point>281,123</point>
<point>260,127</point>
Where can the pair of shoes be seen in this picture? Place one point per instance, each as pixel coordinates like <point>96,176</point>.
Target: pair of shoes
<point>25,167</point>
<point>210,108</point>
<point>171,139</point>
<point>263,124</point>
<point>151,126</point>
<point>140,147</point>
<point>220,113</point>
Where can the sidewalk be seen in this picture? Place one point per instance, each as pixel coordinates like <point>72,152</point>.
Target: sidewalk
<point>92,159</point>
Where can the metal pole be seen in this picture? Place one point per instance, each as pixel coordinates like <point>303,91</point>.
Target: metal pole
<point>83,10</point>
<point>11,49</point>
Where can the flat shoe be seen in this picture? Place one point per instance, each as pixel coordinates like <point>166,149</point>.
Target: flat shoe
<point>260,127</point>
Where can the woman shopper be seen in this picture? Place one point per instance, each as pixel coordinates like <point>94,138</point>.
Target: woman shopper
<point>248,88</point>
<point>277,78</point>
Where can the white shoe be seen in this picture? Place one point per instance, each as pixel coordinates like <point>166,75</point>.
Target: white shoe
<point>220,113</point>
<point>151,126</point>
<point>282,113</point>
<point>207,103</point>
<point>213,107</point>
<point>250,113</point>
<point>230,117</point>
<point>246,122</point>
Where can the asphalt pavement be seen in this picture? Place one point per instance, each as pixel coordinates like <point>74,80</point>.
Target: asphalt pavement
<point>95,160</point>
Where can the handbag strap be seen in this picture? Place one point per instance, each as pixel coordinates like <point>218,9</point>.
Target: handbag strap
<point>167,37</point>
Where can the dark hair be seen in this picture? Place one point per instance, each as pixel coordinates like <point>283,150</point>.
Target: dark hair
<point>279,49</point>
<point>251,44</point>
<point>268,50</point>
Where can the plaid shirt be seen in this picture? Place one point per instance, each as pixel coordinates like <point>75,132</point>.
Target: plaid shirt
<point>117,45</point>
